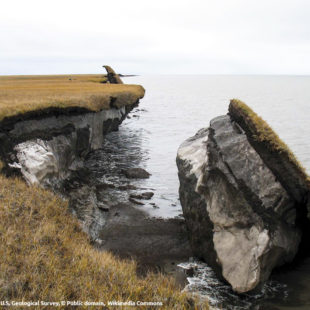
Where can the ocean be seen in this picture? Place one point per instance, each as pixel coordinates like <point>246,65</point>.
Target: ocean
<point>174,109</point>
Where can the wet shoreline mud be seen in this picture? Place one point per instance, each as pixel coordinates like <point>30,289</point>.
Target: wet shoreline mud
<point>102,201</point>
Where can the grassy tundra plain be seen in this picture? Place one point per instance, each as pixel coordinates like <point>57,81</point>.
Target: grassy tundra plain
<point>21,94</point>
<point>44,253</point>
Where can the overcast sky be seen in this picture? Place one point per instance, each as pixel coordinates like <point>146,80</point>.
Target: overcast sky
<point>161,36</point>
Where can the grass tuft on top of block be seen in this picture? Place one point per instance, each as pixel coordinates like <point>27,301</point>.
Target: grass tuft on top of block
<point>260,131</point>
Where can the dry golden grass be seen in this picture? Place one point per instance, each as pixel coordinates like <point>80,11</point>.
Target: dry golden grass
<point>262,132</point>
<point>45,256</point>
<point>21,94</point>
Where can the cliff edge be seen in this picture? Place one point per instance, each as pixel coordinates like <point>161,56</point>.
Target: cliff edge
<point>244,197</point>
<point>48,124</point>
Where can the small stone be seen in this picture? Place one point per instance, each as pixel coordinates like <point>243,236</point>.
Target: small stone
<point>103,207</point>
<point>136,202</point>
<point>145,195</point>
<point>104,186</point>
<point>136,173</point>
<point>127,187</point>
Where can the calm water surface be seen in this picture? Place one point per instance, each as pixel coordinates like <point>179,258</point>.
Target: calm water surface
<point>175,108</point>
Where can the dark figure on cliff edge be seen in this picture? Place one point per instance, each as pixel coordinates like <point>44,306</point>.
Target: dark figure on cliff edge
<point>113,78</point>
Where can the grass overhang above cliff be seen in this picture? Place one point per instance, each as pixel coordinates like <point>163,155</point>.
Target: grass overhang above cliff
<point>23,94</point>
<point>260,131</point>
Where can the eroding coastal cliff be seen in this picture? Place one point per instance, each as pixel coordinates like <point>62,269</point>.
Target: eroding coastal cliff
<point>48,145</point>
<point>46,149</point>
<point>244,197</point>
<point>48,125</point>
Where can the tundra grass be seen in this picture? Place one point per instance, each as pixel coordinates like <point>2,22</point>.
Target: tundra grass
<point>262,132</point>
<point>46,256</point>
<point>21,94</point>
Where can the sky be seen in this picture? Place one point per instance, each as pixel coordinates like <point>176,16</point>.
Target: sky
<point>155,37</point>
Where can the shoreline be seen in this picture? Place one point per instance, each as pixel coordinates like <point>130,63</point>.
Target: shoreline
<point>25,131</point>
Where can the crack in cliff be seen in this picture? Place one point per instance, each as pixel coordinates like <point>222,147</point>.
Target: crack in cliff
<point>250,197</point>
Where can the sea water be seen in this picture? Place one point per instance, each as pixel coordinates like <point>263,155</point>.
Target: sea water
<point>175,108</point>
